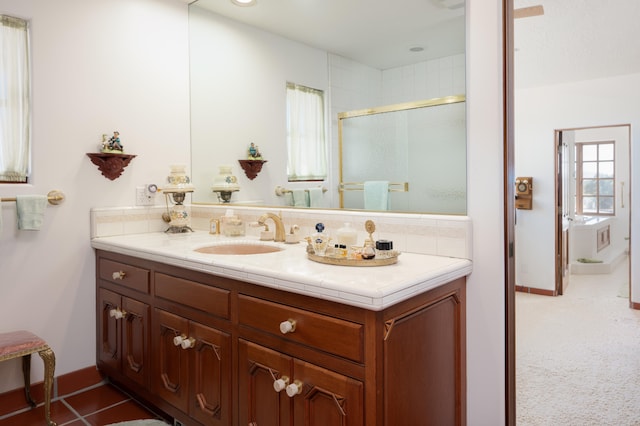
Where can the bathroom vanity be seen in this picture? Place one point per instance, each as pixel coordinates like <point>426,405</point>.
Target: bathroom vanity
<point>276,339</point>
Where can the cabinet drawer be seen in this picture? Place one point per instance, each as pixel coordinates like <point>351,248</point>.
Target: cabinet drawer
<point>212,300</point>
<point>125,275</point>
<point>332,335</point>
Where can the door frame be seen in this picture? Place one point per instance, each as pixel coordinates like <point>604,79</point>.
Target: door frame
<point>559,235</point>
<point>509,210</point>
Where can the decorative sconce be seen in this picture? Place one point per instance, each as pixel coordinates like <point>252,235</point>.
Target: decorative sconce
<point>252,167</point>
<point>225,184</point>
<point>178,185</point>
<point>253,164</point>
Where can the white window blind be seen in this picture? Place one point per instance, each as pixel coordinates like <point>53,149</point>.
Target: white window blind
<point>15,99</point>
<point>306,143</point>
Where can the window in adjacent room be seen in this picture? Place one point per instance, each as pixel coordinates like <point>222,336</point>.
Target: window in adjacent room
<point>595,178</point>
<point>15,100</point>
<point>306,142</point>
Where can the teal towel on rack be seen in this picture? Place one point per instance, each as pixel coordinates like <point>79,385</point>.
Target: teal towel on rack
<point>315,197</point>
<point>376,195</point>
<point>30,210</point>
<point>299,198</point>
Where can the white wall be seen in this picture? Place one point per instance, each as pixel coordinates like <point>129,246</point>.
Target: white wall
<point>242,69</point>
<point>92,76</point>
<point>486,285</point>
<point>538,112</point>
<point>98,66</point>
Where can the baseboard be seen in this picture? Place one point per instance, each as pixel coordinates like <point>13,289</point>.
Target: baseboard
<point>14,400</point>
<point>533,290</point>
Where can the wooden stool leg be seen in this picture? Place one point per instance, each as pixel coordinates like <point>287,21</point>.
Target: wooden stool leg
<point>49,359</point>
<point>26,373</point>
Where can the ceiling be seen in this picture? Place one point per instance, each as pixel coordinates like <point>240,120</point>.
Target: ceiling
<point>576,40</point>
<point>376,33</point>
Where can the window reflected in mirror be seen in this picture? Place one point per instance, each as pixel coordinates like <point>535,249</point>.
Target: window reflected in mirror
<point>306,141</point>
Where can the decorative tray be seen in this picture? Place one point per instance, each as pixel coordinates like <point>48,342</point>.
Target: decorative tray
<point>354,262</point>
<point>370,227</point>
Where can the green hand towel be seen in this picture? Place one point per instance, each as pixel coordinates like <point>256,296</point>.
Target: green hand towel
<point>376,195</point>
<point>300,198</point>
<point>30,210</point>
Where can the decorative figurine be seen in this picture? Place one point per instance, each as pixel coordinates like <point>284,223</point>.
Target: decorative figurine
<point>254,152</point>
<point>112,144</point>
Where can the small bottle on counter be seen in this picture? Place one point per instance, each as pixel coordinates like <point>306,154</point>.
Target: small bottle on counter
<point>368,251</point>
<point>384,249</point>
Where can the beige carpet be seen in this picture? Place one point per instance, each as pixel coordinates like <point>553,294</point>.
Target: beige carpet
<point>578,355</point>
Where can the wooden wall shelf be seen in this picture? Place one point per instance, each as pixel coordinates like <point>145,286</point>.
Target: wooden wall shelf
<point>110,164</point>
<point>252,167</point>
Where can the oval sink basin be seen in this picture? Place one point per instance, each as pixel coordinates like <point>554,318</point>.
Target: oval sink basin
<point>239,248</point>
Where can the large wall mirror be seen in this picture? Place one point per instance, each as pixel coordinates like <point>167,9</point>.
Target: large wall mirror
<point>364,56</point>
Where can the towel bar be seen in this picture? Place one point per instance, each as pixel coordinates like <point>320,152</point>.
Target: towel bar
<point>54,197</point>
<point>359,186</point>
<point>280,191</point>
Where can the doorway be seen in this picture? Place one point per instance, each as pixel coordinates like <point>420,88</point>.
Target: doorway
<point>593,206</point>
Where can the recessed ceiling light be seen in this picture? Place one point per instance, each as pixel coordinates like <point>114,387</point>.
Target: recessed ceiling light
<point>416,49</point>
<point>244,2</point>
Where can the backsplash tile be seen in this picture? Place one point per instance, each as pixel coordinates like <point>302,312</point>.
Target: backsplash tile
<point>442,235</point>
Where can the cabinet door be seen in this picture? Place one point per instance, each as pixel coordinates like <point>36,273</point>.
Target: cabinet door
<point>326,398</point>
<point>135,340</point>
<point>210,363</point>
<point>108,329</point>
<point>423,378</point>
<point>171,368</point>
<point>260,404</point>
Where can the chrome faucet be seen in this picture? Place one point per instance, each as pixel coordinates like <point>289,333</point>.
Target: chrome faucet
<point>277,220</point>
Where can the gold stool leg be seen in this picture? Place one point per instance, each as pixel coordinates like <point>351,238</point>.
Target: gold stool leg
<point>26,374</point>
<point>49,359</point>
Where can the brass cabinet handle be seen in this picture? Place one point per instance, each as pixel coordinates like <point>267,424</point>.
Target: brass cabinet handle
<point>117,313</point>
<point>281,384</point>
<point>288,326</point>
<point>294,388</point>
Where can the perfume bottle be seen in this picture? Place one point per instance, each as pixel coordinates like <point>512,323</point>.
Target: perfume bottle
<point>319,240</point>
<point>368,251</point>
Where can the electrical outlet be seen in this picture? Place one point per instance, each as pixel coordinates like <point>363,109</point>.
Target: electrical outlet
<point>144,197</point>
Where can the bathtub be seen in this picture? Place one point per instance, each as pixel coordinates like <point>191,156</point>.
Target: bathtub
<point>591,238</point>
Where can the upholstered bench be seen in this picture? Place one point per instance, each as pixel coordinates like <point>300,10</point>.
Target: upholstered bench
<point>22,344</point>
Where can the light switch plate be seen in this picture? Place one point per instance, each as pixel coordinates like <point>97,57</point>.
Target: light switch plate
<point>144,197</point>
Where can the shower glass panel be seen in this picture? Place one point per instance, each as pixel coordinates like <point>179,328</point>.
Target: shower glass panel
<point>419,147</point>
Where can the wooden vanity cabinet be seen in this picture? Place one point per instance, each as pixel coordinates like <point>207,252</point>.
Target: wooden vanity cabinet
<point>323,397</point>
<point>123,321</point>
<point>223,352</point>
<point>193,368</point>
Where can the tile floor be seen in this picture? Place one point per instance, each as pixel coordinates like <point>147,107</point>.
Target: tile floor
<point>96,405</point>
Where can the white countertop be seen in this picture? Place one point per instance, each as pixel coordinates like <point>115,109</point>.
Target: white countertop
<point>373,288</point>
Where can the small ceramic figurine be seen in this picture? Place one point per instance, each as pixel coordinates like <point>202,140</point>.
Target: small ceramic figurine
<point>254,152</point>
<point>113,144</point>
